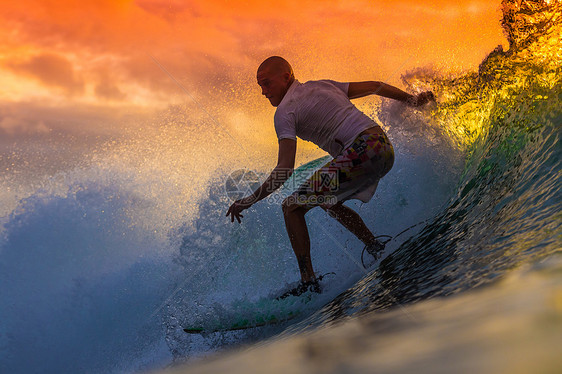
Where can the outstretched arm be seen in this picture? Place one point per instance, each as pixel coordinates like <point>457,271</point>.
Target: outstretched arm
<point>360,89</point>
<point>281,172</point>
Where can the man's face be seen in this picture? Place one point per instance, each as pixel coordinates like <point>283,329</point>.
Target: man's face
<point>274,85</point>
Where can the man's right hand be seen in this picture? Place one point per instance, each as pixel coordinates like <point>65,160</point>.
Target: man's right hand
<point>422,98</point>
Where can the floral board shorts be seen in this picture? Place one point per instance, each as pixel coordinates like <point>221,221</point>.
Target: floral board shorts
<point>354,174</point>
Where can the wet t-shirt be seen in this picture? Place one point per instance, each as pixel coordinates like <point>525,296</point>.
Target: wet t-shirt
<point>320,112</point>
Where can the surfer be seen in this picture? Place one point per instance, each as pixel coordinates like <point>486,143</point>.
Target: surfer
<point>321,112</point>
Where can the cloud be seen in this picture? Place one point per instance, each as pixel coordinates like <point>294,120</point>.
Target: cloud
<point>107,87</point>
<point>52,70</point>
<point>169,9</point>
<point>34,119</point>
<point>100,51</point>
<point>11,126</point>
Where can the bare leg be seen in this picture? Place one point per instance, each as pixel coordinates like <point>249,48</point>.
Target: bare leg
<point>300,240</point>
<point>351,221</point>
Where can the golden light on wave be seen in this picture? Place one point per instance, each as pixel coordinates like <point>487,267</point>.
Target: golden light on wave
<point>469,102</point>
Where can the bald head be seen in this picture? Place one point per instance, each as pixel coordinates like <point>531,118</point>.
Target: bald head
<point>276,65</point>
<point>275,76</point>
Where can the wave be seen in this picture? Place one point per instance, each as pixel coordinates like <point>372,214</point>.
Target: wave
<point>102,265</point>
<point>505,211</point>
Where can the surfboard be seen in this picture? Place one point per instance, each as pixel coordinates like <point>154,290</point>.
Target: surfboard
<point>240,324</point>
<point>245,315</point>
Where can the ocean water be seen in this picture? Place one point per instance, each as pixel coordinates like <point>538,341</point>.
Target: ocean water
<point>104,261</point>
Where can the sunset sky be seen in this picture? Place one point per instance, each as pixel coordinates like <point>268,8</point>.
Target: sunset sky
<point>91,63</point>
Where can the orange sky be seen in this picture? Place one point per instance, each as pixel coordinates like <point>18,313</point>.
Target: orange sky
<point>72,59</point>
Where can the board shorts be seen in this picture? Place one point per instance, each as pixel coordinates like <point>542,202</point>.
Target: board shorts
<point>353,174</point>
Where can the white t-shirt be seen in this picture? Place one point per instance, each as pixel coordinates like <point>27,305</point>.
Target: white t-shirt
<point>320,112</point>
